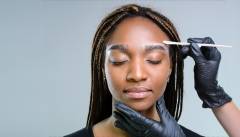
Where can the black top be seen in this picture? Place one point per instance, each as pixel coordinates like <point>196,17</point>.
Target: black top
<point>88,132</point>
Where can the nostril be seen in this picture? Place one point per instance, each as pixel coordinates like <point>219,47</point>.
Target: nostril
<point>136,76</point>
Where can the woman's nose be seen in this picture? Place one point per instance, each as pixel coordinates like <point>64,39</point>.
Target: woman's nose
<point>136,72</point>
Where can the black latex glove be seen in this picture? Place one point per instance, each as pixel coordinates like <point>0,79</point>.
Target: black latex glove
<point>136,125</point>
<point>207,60</point>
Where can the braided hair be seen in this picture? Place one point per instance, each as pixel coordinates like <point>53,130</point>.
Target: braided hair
<point>100,106</point>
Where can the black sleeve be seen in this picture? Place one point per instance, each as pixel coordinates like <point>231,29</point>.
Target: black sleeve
<point>85,132</point>
<point>190,133</point>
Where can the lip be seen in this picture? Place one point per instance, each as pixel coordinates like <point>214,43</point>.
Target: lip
<point>137,92</point>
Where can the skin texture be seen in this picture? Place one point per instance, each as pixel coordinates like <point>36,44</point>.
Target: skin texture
<point>229,117</point>
<point>138,68</point>
<point>141,63</point>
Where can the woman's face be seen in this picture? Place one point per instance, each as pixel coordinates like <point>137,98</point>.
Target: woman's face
<point>137,64</point>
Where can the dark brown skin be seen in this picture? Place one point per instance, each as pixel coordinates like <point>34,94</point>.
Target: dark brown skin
<point>136,74</point>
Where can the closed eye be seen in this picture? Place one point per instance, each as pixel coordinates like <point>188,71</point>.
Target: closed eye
<point>154,62</point>
<point>117,63</point>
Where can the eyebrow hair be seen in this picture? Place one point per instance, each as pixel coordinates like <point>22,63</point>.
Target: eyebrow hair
<point>120,47</point>
<point>158,46</point>
<point>148,48</point>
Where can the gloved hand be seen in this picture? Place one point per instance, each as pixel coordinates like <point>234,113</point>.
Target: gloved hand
<point>207,60</point>
<point>136,125</point>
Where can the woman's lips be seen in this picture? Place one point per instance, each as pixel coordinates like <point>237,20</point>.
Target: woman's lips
<point>137,92</point>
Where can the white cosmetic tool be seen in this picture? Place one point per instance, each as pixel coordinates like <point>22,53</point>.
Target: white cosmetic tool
<point>200,44</point>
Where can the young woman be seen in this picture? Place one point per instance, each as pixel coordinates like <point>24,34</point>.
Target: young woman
<point>137,81</point>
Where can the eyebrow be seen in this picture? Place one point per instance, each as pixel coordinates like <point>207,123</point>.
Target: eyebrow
<point>148,48</point>
<point>120,47</point>
<point>157,46</point>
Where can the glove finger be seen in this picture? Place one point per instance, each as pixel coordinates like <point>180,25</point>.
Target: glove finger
<point>195,40</point>
<point>206,51</point>
<point>196,53</point>
<point>130,124</point>
<point>137,128</point>
<point>161,108</point>
<point>211,53</point>
<point>129,114</point>
<point>184,51</point>
<point>161,103</point>
<point>124,123</point>
<point>215,55</point>
<point>127,111</point>
<point>208,40</point>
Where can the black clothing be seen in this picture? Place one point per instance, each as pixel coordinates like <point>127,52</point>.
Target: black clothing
<point>87,132</point>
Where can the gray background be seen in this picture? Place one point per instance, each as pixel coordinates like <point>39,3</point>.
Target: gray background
<point>45,61</point>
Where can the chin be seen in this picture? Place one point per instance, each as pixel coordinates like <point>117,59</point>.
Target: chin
<point>140,105</point>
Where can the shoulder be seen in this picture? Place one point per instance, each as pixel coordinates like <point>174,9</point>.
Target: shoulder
<point>189,133</point>
<point>85,132</point>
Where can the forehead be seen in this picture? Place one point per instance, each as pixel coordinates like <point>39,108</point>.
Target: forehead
<point>137,31</point>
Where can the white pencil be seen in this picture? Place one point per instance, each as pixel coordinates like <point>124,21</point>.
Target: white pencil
<point>200,44</point>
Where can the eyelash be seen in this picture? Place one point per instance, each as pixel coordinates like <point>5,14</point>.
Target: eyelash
<point>154,62</point>
<point>118,63</point>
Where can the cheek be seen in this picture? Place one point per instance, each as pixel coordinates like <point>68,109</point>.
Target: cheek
<point>160,76</point>
<point>115,79</point>
<point>160,82</point>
